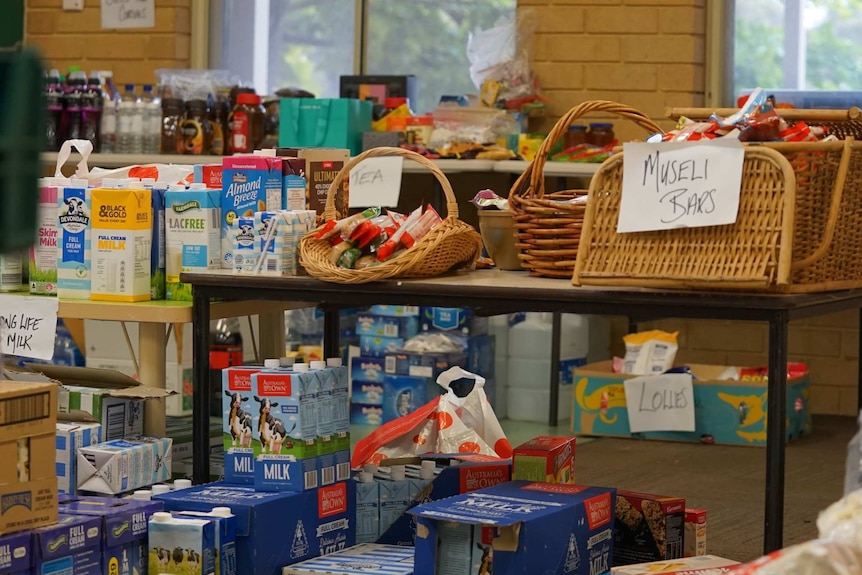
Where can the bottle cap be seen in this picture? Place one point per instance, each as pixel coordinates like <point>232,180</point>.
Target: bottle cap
<point>161,488</point>
<point>300,367</point>
<point>161,516</point>
<point>369,468</point>
<point>148,182</point>
<point>427,469</point>
<point>182,484</point>
<point>78,183</point>
<point>142,494</point>
<point>334,362</point>
<point>397,473</point>
<point>198,186</point>
<point>251,99</point>
<point>176,188</point>
<point>271,363</point>
<point>365,477</point>
<point>286,361</point>
<point>148,88</point>
<point>317,364</point>
<point>221,512</point>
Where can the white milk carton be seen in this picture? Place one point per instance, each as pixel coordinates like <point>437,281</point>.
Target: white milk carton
<point>278,234</point>
<point>124,465</point>
<point>121,244</point>
<point>181,546</point>
<point>74,207</point>
<point>193,236</point>
<point>245,244</point>
<point>43,253</point>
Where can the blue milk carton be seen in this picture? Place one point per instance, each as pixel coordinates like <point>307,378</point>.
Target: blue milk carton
<point>124,529</point>
<point>70,438</point>
<point>72,545</point>
<point>249,184</point>
<point>285,429</point>
<point>193,236</point>
<point>238,424</point>
<point>181,546</point>
<point>73,248</point>
<point>340,417</point>
<point>224,522</point>
<point>16,556</point>
<point>245,243</point>
<point>326,442</point>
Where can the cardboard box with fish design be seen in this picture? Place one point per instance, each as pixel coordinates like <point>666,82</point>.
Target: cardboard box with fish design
<point>726,411</point>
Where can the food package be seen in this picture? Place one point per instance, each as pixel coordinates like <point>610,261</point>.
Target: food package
<point>456,422</point>
<point>818,557</point>
<point>842,521</point>
<point>649,352</point>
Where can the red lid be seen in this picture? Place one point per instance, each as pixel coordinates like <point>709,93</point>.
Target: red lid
<point>394,102</point>
<point>252,99</point>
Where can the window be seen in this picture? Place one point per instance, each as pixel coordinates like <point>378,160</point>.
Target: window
<point>308,44</point>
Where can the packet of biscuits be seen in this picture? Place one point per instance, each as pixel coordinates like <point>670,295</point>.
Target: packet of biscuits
<point>648,527</point>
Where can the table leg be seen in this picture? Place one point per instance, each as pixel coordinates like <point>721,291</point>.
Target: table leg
<point>776,438</point>
<point>271,335</point>
<point>152,339</point>
<point>331,331</point>
<point>556,336</point>
<point>201,385</point>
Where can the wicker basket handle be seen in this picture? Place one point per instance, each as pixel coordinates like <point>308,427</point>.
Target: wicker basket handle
<point>451,203</point>
<point>535,171</point>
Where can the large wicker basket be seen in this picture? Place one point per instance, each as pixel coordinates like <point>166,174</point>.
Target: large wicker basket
<point>799,226</point>
<point>451,244</point>
<point>548,226</point>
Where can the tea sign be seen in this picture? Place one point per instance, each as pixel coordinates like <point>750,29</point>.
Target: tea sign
<point>672,185</point>
<point>375,182</point>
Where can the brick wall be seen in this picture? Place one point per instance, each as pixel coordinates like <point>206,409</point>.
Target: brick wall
<point>77,38</point>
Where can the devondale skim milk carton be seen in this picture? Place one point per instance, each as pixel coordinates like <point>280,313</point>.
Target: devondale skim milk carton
<point>121,244</point>
<point>73,248</point>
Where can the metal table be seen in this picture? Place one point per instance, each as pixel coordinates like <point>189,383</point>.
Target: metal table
<point>494,291</point>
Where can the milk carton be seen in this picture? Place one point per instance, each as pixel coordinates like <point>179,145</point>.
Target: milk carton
<point>181,546</point>
<point>73,248</point>
<point>326,442</point>
<point>250,184</point>
<point>70,438</point>
<point>238,423</point>
<point>285,428</point>
<point>340,417</point>
<point>224,524</point>
<point>245,246</point>
<point>193,236</point>
<point>124,465</point>
<point>121,244</point>
<point>157,257</point>
<point>43,253</point>
<point>278,234</point>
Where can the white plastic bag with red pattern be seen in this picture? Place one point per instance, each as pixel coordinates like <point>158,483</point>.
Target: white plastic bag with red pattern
<point>447,424</point>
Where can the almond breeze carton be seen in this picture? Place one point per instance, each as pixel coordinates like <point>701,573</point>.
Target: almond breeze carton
<point>73,248</point>
<point>193,236</point>
<point>43,253</point>
<point>250,184</point>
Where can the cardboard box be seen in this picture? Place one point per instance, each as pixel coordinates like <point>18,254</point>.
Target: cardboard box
<point>74,544</point>
<point>321,167</point>
<point>427,365</point>
<point>376,346</point>
<point>703,565</point>
<point>455,319</point>
<point>16,554</point>
<point>481,351</point>
<point>695,533</point>
<point>277,529</point>
<point>364,368</point>
<point>545,458</point>
<point>124,465</point>
<point>28,489</point>
<point>360,559</point>
<point>726,412</point>
<point>386,326</point>
<point>70,438</point>
<point>571,526</point>
<point>648,527</point>
<point>364,414</point>
<point>395,310</point>
<point>178,379</point>
<point>124,529</point>
<point>366,392</point>
<point>402,394</point>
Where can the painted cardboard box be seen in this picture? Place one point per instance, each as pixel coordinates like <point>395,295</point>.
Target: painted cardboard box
<point>572,526</point>
<point>726,411</point>
<point>277,529</point>
<point>16,555</point>
<point>72,545</point>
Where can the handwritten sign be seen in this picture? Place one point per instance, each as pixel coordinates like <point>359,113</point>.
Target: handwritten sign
<point>680,185</point>
<point>660,403</point>
<point>28,326</point>
<point>376,182</point>
<point>128,13</point>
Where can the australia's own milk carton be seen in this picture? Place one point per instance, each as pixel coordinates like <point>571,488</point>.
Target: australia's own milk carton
<point>249,184</point>
<point>121,241</point>
<point>340,417</point>
<point>285,429</point>
<point>193,236</point>
<point>43,252</point>
<point>238,425</point>
<point>245,244</point>
<point>181,546</point>
<point>73,248</point>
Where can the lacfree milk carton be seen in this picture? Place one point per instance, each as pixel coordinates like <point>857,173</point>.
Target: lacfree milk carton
<point>249,184</point>
<point>245,246</point>
<point>43,253</point>
<point>157,257</point>
<point>193,236</point>
<point>238,423</point>
<point>121,245</point>
<point>181,546</point>
<point>73,248</point>
<point>285,430</point>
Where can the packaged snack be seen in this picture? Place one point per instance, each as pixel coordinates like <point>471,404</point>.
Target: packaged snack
<point>332,227</point>
<point>649,352</point>
<point>389,246</point>
<point>421,228</point>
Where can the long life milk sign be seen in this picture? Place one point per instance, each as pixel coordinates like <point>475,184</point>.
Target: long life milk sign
<point>680,185</point>
<point>28,326</point>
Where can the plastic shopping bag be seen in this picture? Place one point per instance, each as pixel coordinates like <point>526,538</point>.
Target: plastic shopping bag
<point>448,424</point>
<point>171,173</point>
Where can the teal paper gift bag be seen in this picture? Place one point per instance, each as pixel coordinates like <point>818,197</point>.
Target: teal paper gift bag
<point>323,123</point>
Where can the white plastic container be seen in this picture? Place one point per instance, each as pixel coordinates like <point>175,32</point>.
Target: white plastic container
<point>529,404</point>
<point>529,358</point>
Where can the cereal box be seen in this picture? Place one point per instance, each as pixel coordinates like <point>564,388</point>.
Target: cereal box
<point>695,532</point>
<point>648,527</point>
<point>545,458</point>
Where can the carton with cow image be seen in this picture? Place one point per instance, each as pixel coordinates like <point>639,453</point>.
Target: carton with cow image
<point>238,423</point>
<point>124,529</point>
<point>181,545</point>
<point>491,531</point>
<point>73,247</point>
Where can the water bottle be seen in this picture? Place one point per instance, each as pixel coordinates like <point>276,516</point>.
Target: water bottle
<point>152,120</point>
<point>53,119</point>
<point>91,111</point>
<point>108,128</point>
<point>76,85</point>
<point>130,123</point>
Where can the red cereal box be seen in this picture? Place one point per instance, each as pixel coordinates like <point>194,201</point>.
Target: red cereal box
<point>545,458</point>
<point>695,533</point>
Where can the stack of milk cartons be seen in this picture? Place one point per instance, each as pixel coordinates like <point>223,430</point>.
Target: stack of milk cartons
<point>268,242</point>
<point>192,235</point>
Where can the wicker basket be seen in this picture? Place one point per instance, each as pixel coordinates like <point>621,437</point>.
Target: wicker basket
<point>816,245</point>
<point>451,244</point>
<point>548,231</point>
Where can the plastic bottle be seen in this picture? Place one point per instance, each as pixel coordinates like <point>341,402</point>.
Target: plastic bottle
<point>130,123</point>
<point>91,112</point>
<point>54,112</point>
<point>109,124</point>
<point>76,85</point>
<point>152,121</point>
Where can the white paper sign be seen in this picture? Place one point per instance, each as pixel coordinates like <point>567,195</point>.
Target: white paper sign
<point>376,182</point>
<point>128,13</point>
<point>28,326</point>
<point>680,185</point>
<point>660,403</point>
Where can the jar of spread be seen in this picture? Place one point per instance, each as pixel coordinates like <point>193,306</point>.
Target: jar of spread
<point>246,124</point>
<point>172,117</point>
<point>270,123</point>
<point>218,119</point>
<point>601,134</point>
<point>197,131</point>
<point>575,136</point>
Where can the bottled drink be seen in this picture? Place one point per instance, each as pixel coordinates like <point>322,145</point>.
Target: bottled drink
<point>108,128</point>
<point>76,85</point>
<point>152,121</point>
<point>91,111</point>
<point>53,119</point>
<point>130,123</point>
